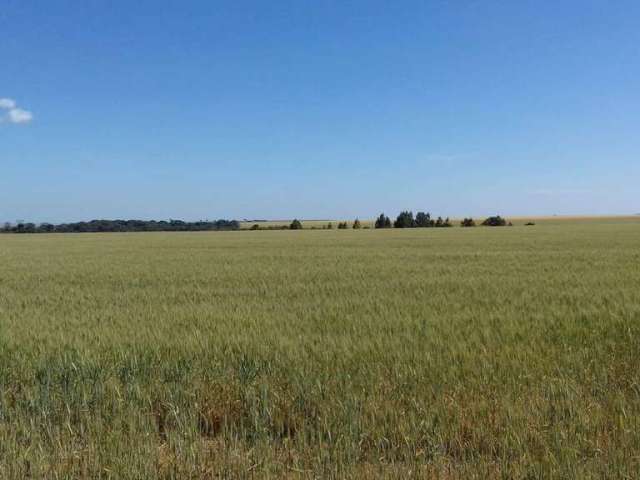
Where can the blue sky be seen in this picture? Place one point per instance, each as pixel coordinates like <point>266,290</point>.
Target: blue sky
<point>323,109</point>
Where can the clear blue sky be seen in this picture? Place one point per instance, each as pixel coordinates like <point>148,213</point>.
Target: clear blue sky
<point>318,109</point>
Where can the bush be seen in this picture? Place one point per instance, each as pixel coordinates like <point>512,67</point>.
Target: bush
<point>296,224</point>
<point>383,221</point>
<point>255,226</point>
<point>529,224</point>
<point>342,226</point>
<point>329,226</point>
<point>356,224</point>
<point>404,220</point>
<point>468,222</point>
<point>496,221</point>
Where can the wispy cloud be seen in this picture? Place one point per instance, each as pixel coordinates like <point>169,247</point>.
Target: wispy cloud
<point>7,103</point>
<point>9,112</point>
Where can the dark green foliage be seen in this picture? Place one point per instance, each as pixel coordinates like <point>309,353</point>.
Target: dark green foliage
<point>329,226</point>
<point>342,226</point>
<point>383,221</point>
<point>296,224</point>
<point>529,224</point>
<point>404,220</point>
<point>423,220</point>
<point>123,226</point>
<point>468,222</point>
<point>357,224</point>
<point>496,221</point>
<point>255,226</point>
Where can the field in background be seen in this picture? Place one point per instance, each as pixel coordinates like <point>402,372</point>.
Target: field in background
<point>434,353</point>
<point>547,220</point>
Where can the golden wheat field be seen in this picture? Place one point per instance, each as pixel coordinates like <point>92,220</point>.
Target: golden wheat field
<point>404,353</point>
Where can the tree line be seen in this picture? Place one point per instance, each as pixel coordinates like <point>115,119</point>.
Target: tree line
<point>405,219</point>
<point>122,226</point>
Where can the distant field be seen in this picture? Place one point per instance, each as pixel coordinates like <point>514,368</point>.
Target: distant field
<point>428,353</point>
<point>547,220</point>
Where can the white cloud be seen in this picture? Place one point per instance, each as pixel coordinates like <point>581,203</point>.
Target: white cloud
<point>13,113</point>
<point>7,103</point>
<point>17,115</point>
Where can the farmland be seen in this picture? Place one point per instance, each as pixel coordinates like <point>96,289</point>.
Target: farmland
<point>433,353</point>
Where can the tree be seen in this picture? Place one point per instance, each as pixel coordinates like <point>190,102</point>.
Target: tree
<point>404,220</point>
<point>423,220</point>
<point>439,222</point>
<point>383,221</point>
<point>496,221</point>
<point>329,226</point>
<point>468,222</point>
<point>255,226</point>
<point>342,226</point>
<point>356,224</point>
<point>296,224</point>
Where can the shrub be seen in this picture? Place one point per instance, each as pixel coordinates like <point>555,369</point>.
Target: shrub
<point>529,224</point>
<point>383,221</point>
<point>468,222</point>
<point>356,224</point>
<point>404,220</point>
<point>329,226</point>
<point>296,224</point>
<point>496,221</point>
<point>255,226</point>
<point>342,226</point>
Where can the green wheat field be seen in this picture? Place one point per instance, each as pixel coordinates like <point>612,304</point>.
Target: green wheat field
<point>420,353</point>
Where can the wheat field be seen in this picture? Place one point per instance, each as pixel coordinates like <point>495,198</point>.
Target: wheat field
<point>419,353</point>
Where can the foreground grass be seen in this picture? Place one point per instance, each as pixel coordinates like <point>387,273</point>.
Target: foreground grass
<point>444,353</point>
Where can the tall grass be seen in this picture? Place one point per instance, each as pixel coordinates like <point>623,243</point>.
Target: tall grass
<point>433,353</point>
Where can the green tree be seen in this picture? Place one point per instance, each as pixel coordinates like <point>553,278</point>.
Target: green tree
<point>296,224</point>
<point>404,220</point>
<point>383,221</point>
<point>357,224</point>
<point>423,220</point>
